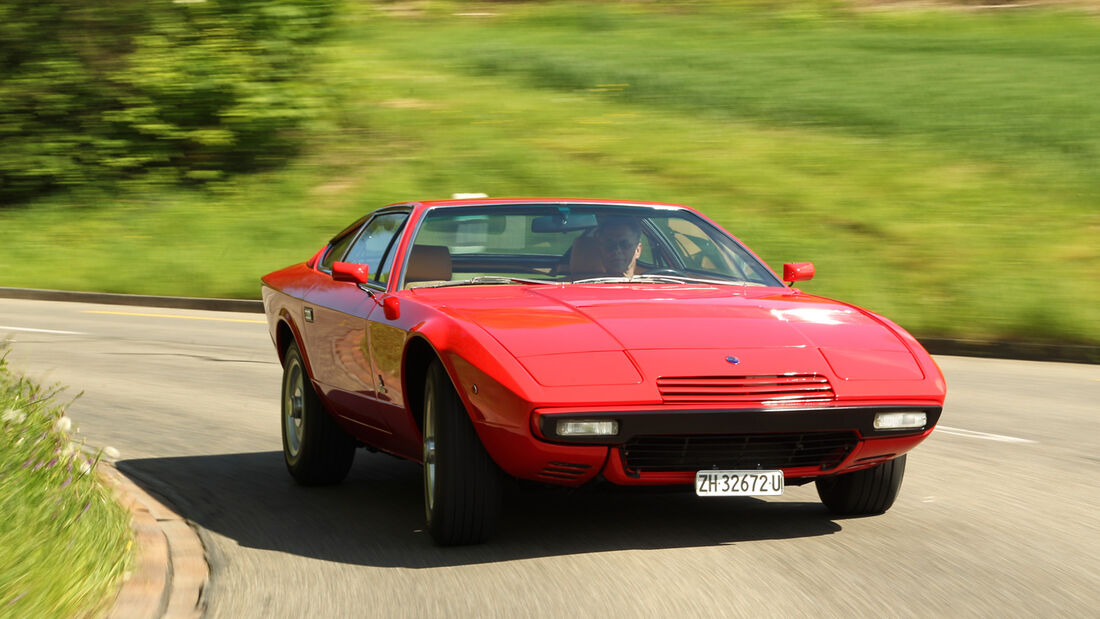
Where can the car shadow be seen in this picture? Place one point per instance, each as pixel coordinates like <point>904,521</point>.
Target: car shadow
<point>376,517</point>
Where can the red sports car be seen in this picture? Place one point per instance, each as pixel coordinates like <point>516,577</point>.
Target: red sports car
<point>564,341</point>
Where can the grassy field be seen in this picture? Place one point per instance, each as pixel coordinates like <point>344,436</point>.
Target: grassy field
<point>64,541</point>
<point>937,166</point>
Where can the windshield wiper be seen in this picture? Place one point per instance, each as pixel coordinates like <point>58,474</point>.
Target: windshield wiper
<point>602,280</point>
<point>484,279</point>
<point>661,278</point>
<point>689,279</point>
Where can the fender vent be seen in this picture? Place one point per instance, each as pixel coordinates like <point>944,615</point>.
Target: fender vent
<point>750,389</point>
<point>564,470</point>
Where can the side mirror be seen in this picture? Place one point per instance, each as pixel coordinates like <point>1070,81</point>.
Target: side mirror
<point>798,272</point>
<point>391,308</point>
<point>350,272</point>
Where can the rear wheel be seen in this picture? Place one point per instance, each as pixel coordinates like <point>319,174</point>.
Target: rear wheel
<point>462,485</point>
<point>866,492</point>
<point>316,449</point>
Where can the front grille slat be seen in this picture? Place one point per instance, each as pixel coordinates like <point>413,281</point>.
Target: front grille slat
<point>823,450</point>
<point>775,379</point>
<point>794,387</point>
<point>712,389</point>
<point>757,391</point>
<point>766,381</point>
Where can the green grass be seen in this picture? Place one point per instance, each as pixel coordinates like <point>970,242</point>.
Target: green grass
<point>64,541</point>
<point>938,167</point>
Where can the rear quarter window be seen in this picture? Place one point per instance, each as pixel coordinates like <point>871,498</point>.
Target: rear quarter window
<point>336,251</point>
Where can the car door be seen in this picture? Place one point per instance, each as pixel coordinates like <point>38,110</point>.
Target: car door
<point>338,334</point>
<point>388,331</point>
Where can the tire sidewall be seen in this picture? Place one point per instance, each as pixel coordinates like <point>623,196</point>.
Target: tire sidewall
<point>466,504</point>
<point>293,358</point>
<point>438,388</point>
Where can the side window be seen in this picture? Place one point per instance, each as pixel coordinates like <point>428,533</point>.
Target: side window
<point>382,274</point>
<point>647,255</point>
<point>709,252</point>
<point>339,246</point>
<point>376,238</point>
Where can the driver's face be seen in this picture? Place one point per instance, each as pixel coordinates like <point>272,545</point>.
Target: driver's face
<point>619,248</point>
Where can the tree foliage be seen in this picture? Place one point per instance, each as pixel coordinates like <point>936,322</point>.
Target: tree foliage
<point>93,92</point>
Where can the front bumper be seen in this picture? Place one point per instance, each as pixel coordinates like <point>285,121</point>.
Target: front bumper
<point>661,446</point>
<point>664,422</point>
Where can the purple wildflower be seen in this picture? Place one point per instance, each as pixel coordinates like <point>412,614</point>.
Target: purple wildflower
<point>67,481</point>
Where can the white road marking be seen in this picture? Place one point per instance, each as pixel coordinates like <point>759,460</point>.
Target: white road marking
<point>29,330</point>
<point>982,435</point>
<point>258,322</point>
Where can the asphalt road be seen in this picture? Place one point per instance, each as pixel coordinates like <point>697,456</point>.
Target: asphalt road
<point>999,514</point>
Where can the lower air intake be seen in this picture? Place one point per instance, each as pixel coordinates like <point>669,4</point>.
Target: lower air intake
<point>563,470</point>
<point>822,450</point>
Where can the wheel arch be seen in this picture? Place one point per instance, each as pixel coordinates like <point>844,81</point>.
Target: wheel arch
<point>419,354</point>
<point>283,337</point>
<point>470,359</point>
<point>287,333</point>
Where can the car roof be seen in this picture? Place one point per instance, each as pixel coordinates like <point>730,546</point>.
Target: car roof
<point>514,201</point>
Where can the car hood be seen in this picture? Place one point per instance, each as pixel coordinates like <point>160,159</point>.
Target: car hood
<point>575,334</point>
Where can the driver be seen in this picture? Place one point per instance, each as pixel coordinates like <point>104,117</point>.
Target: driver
<point>620,243</point>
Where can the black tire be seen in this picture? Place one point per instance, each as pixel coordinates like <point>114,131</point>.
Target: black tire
<point>316,449</point>
<point>863,493</point>
<point>462,484</point>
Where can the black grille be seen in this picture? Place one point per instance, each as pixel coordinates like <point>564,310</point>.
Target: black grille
<point>824,450</point>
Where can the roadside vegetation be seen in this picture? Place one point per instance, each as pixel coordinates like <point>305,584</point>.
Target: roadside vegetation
<point>937,165</point>
<point>65,543</point>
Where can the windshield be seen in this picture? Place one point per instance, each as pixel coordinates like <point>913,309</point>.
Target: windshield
<point>555,243</point>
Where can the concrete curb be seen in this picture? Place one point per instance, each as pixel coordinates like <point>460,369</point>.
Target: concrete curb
<point>1025,351</point>
<point>110,298</point>
<point>171,570</point>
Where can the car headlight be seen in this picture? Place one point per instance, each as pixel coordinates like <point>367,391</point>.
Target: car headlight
<point>899,420</point>
<point>587,427</point>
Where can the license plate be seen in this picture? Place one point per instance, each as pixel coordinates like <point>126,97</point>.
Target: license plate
<point>739,483</point>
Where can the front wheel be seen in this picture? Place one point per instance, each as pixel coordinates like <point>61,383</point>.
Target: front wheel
<point>316,449</point>
<point>862,493</point>
<point>462,484</point>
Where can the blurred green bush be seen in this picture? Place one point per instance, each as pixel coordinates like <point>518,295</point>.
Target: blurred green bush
<point>94,92</point>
